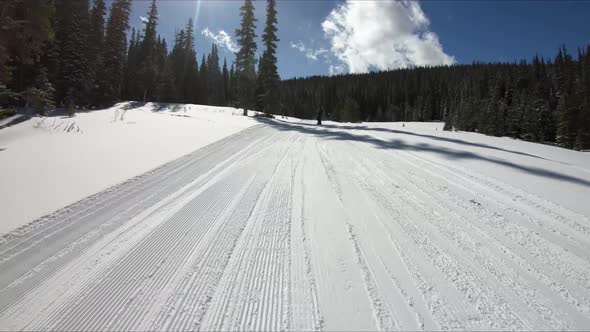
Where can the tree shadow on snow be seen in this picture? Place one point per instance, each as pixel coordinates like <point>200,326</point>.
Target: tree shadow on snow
<point>61,112</point>
<point>163,107</point>
<point>436,138</point>
<point>133,104</point>
<point>398,144</point>
<point>156,106</point>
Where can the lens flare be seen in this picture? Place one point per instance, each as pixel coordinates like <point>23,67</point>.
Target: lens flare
<point>197,11</point>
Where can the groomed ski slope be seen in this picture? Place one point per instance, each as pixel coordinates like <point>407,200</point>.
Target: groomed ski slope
<point>290,226</point>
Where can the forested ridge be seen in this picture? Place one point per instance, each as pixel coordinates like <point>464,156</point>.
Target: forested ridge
<point>543,100</point>
<point>71,54</point>
<point>66,53</point>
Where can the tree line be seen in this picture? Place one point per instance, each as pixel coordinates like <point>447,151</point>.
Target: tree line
<point>543,100</point>
<point>66,53</point>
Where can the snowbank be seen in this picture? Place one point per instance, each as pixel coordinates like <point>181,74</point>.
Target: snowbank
<point>48,163</point>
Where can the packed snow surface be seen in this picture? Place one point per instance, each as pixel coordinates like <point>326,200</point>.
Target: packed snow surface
<point>289,226</point>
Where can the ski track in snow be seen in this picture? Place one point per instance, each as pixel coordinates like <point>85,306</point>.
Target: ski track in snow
<point>275,228</point>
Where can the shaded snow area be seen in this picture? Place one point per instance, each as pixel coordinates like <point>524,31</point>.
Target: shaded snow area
<point>289,226</point>
<point>48,163</point>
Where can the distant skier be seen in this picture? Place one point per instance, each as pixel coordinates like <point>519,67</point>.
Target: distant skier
<point>320,112</point>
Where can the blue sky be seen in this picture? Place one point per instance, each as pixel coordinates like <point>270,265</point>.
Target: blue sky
<point>323,37</point>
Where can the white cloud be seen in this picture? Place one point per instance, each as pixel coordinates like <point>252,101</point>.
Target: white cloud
<point>310,53</point>
<point>299,46</point>
<point>221,39</point>
<point>337,69</point>
<point>144,19</point>
<point>382,35</point>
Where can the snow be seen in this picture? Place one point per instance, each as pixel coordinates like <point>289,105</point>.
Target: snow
<point>43,167</point>
<point>557,174</point>
<point>290,226</point>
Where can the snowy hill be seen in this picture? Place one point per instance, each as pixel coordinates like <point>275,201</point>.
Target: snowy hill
<point>48,163</point>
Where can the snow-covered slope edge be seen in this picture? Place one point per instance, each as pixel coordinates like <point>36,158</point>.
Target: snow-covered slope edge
<point>48,163</point>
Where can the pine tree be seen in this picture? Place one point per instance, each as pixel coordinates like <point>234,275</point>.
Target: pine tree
<point>226,83</point>
<point>259,89</point>
<point>8,97</point>
<point>565,125</point>
<point>165,90</point>
<point>214,78</point>
<point>191,81</point>
<point>350,111</point>
<point>130,88</point>
<point>177,63</point>
<point>72,36</point>
<point>583,135</point>
<point>185,66</point>
<point>245,61</point>
<point>233,85</point>
<point>148,69</point>
<point>204,79</point>
<point>268,65</point>
<point>25,28</point>
<point>110,77</point>
<point>40,95</point>
<point>95,45</point>
<point>219,87</point>
<point>567,99</point>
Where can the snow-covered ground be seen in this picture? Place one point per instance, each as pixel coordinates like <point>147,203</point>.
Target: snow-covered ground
<point>290,226</point>
<point>557,174</point>
<point>48,163</point>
